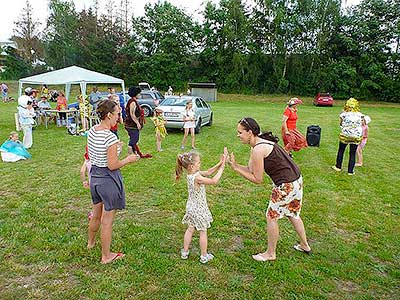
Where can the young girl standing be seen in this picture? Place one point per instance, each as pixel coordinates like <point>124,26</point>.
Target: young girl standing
<point>189,120</point>
<point>159,124</point>
<point>365,121</point>
<point>198,216</point>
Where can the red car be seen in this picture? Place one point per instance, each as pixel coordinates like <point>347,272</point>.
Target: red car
<point>323,99</point>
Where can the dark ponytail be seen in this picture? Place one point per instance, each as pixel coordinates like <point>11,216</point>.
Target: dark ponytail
<point>251,124</point>
<point>269,136</point>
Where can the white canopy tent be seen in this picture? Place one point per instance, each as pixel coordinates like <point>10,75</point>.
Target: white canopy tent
<point>68,76</point>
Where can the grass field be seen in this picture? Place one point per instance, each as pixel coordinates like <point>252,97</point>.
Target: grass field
<point>352,221</point>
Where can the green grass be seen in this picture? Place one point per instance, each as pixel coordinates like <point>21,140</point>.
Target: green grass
<point>352,222</point>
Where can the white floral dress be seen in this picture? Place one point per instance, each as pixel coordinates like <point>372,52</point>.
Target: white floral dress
<point>197,214</point>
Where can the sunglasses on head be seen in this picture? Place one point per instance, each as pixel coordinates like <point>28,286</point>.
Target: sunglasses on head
<point>244,120</point>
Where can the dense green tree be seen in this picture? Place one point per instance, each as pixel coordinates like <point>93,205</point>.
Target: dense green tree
<point>61,36</point>
<point>273,46</point>
<point>15,66</point>
<point>167,39</point>
<point>26,35</point>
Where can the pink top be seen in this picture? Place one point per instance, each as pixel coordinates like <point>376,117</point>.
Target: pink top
<point>365,132</point>
<point>61,103</point>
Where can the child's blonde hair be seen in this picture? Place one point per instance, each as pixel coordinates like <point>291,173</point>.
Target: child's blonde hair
<point>184,161</point>
<point>12,133</point>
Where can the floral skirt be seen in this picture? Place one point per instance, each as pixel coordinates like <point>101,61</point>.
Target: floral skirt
<point>294,141</point>
<point>286,200</point>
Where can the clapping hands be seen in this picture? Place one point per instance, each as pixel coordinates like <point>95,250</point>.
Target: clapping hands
<point>230,159</point>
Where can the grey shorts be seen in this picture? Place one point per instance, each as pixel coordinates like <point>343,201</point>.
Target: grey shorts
<point>107,186</point>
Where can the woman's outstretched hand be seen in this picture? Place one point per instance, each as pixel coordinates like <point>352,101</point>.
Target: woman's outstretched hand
<point>132,158</point>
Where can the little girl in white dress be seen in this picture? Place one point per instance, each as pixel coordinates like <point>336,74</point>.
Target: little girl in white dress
<point>198,216</point>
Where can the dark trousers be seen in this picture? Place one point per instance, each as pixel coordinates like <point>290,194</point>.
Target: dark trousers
<point>62,116</point>
<point>133,137</point>
<point>352,158</point>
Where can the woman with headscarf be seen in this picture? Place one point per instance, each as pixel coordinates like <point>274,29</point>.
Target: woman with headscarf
<point>351,134</point>
<point>292,138</point>
<point>134,121</point>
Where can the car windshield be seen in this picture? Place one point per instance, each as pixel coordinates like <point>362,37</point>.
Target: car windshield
<point>175,101</point>
<point>324,94</point>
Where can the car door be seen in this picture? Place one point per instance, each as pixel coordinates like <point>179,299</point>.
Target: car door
<point>207,110</point>
<point>200,109</point>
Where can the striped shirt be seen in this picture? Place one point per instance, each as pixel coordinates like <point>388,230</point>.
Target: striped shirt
<point>98,142</point>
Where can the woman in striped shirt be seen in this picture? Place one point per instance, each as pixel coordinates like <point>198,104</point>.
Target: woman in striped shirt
<point>106,185</point>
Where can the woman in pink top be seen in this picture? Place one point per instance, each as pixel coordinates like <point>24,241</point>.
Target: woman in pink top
<point>62,105</point>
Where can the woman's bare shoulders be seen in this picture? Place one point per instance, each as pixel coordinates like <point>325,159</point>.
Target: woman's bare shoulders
<point>263,148</point>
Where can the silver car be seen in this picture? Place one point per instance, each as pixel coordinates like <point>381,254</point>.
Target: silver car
<point>173,108</point>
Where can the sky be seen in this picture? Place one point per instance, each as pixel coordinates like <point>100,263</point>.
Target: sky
<point>40,10</point>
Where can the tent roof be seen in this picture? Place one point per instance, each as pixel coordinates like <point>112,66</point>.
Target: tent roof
<point>70,75</point>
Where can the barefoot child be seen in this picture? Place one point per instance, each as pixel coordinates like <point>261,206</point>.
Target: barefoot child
<point>198,216</point>
<point>365,121</point>
<point>159,124</point>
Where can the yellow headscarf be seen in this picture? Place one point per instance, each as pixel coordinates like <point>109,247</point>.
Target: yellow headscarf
<point>352,105</point>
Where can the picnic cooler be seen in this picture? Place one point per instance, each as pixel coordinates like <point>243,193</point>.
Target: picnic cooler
<point>313,135</point>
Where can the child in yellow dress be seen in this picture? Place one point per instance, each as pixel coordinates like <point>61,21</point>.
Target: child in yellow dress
<point>85,111</point>
<point>159,124</point>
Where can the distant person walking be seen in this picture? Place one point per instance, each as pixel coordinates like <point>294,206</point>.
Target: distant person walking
<point>350,134</point>
<point>134,122</point>
<point>106,184</point>
<point>4,91</point>
<point>287,191</point>
<point>292,138</point>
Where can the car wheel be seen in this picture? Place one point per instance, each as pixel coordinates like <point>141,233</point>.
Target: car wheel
<point>211,120</point>
<point>146,111</point>
<point>198,126</point>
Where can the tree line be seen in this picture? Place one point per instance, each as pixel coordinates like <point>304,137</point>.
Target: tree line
<point>275,46</point>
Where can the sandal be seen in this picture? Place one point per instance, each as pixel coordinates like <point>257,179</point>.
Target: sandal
<point>298,248</point>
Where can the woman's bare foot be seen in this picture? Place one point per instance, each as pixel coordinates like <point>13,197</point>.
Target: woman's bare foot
<point>112,257</point>
<point>264,257</point>
<point>91,245</point>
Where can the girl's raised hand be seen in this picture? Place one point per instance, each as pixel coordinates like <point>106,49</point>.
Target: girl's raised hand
<point>232,160</point>
<point>226,153</point>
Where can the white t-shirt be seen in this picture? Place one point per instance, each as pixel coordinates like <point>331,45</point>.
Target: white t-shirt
<point>98,142</point>
<point>189,114</point>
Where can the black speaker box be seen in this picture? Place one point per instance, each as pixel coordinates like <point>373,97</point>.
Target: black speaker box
<point>313,135</point>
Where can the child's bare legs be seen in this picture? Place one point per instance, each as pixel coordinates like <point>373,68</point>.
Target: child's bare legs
<point>185,135</point>
<point>158,141</point>
<point>94,224</point>
<point>187,238</point>
<point>359,156</point>
<point>203,242</point>
<point>193,137</point>
<point>301,232</point>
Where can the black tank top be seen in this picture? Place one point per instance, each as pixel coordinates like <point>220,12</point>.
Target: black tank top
<point>279,165</point>
<point>129,123</point>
